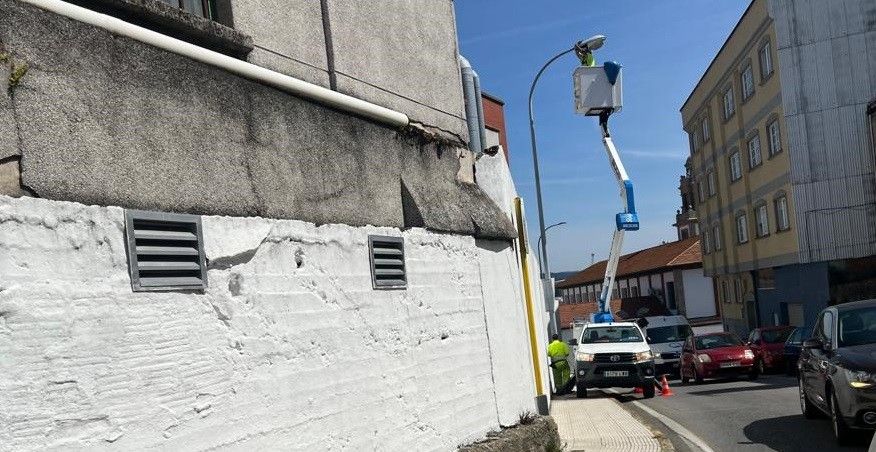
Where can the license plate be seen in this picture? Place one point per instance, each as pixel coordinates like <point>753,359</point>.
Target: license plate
<point>616,373</point>
<point>730,364</point>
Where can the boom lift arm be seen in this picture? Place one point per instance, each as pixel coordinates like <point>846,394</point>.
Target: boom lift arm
<point>628,220</point>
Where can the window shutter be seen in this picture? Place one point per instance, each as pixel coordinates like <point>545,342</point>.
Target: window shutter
<point>165,251</point>
<point>387,262</point>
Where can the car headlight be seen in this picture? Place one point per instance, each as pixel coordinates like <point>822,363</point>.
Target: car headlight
<point>860,380</point>
<point>748,354</point>
<point>586,357</point>
<point>704,358</point>
<point>644,356</point>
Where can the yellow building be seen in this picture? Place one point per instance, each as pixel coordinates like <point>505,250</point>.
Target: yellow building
<point>753,184</point>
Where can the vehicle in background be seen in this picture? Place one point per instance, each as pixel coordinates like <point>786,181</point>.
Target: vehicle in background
<point>793,346</point>
<point>666,336</point>
<point>768,345</point>
<point>613,355</point>
<point>716,355</point>
<point>837,368</point>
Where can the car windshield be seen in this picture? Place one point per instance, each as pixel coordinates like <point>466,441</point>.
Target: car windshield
<point>664,334</point>
<point>798,336</point>
<point>857,327</point>
<point>606,334</point>
<point>717,341</point>
<point>776,336</point>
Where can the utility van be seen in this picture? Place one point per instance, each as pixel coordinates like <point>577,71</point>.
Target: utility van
<point>613,355</point>
<point>666,336</point>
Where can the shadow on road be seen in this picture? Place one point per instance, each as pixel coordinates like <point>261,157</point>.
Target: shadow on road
<point>795,433</point>
<point>755,386</point>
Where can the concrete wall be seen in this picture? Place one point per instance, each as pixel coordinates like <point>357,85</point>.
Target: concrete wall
<point>105,120</point>
<point>827,55</point>
<point>288,347</point>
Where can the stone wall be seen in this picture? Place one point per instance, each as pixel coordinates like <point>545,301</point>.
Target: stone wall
<point>106,120</point>
<point>287,348</point>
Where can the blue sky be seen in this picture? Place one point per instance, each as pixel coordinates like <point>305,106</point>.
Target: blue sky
<point>664,47</point>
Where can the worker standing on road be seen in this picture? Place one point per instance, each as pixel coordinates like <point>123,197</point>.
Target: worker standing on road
<point>558,351</point>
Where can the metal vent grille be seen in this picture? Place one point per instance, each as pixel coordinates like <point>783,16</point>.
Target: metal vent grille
<point>165,251</point>
<point>387,262</point>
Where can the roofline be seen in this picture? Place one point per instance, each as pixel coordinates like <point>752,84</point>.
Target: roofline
<point>715,58</point>
<point>493,98</point>
<point>646,272</point>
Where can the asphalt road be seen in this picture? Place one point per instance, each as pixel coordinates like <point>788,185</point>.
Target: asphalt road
<point>742,415</point>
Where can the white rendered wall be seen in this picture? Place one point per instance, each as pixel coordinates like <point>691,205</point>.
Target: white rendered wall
<point>699,294</point>
<point>274,355</point>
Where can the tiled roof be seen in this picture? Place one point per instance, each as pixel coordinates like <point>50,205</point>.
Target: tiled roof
<point>668,255</point>
<point>630,306</point>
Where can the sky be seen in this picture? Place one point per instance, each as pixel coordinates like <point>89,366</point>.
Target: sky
<point>664,47</point>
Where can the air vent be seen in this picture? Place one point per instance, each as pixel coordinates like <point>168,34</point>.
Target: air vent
<point>387,262</point>
<point>165,251</point>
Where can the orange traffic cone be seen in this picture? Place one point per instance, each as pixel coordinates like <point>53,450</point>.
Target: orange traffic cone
<point>638,390</point>
<point>665,391</point>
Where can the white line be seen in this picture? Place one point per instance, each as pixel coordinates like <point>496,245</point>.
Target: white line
<point>674,426</point>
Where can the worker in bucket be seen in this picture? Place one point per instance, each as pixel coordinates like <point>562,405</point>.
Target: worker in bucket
<point>558,351</point>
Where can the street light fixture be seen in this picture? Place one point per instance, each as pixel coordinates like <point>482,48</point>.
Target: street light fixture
<point>582,49</point>
<point>545,241</point>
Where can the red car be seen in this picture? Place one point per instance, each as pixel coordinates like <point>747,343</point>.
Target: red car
<point>716,355</point>
<point>768,345</point>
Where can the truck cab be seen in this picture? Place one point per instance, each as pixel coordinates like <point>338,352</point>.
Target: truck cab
<point>666,336</point>
<point>613,355</point>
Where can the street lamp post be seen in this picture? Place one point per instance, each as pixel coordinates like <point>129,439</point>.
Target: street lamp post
<point>541,237</point>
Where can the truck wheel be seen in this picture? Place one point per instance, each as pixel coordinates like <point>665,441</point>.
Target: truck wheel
<point>581,391</point>
<point>648,390</point>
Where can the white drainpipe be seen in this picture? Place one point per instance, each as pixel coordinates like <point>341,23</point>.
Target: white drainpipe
<point>259,74</point>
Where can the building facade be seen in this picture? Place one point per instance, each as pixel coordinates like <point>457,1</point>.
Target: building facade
<point>224,226</point>
<point>671,274</point>
<point>779,156</point>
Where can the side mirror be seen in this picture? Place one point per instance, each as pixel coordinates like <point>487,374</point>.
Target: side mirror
<point>813,343</point>
<point>573,342</point>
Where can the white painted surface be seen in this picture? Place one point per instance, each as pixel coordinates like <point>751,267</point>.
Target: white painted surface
<point>271,356</point>
<point>699,294</point>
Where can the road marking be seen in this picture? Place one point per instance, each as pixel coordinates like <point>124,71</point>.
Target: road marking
<point>674,426</point>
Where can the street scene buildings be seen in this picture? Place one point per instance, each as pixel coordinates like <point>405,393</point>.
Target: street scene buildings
<point>332,225</point>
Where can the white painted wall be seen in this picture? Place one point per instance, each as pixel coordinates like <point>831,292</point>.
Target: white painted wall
<point>271,356</point>
<point>699,294</point>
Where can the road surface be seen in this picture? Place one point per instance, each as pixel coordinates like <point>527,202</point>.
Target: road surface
<point>742,415</point>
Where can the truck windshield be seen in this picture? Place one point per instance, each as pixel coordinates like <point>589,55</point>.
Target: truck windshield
<point>664,334</point>
<point>607,334</point>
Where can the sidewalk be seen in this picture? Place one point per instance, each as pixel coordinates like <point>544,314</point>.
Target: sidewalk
<point>599,423</point>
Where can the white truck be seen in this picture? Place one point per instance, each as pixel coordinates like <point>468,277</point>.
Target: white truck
<point>613,355</point>
<point>666,336</point>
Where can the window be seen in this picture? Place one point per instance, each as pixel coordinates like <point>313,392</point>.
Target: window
<point>693,142</point>
<point>729,105</point>
<point>735,167</point>
<point>716,237</point>
<point>387,256</point>
<point>579,295</point>
<point>634,291</point>
<point>707,242</point>
<point>165,251</point>
<point>762,220</point>
<point>695,136</point>
<point>747,79</point>
<point>707,134</point>
<point>737,290</point>
<point>766,61</point>
<point>741,228</point>
<point>710,183</point>
<point>625,292</point>
<point>203,8</point>
<point>782,221</point>
<point>775,138</point>
<point>725,291</point>
<point>700,193</point>
<point>754,157</point>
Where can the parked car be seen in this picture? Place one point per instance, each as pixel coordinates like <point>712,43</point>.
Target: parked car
<point>838,368</point>
<point>792,348</point>
<point>666,336</point>
<point>716,355</point>
<point>613,355</point>
<point>768,345</point>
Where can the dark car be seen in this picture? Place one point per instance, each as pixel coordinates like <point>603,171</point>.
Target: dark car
<point>838,368</point>
<point>793,346</point>
<point>768,345</point>
<point>716,355</point>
